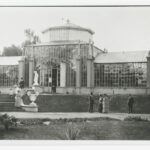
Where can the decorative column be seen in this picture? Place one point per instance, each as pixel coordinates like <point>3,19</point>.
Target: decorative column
<point>90,72</point>
<point>21,69</point>
<point>62,74</point>
<point>90,53</point>
<point>78,72</point>
<point>31,72</point>
<point>78,68</point>
<point>148,70</point>
<point>90,67</point>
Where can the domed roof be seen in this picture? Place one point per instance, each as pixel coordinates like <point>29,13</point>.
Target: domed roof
<point>69,25</point>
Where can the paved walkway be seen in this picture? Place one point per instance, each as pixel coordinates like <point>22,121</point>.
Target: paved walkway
<point>31,115</point>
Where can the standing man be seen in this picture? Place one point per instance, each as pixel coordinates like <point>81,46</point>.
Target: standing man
<point>130,103</point>
<point>91,102</point>
<point>100,104</point>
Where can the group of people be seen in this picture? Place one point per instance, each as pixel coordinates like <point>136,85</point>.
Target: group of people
<point>103,100</point>
<point>103,103</point>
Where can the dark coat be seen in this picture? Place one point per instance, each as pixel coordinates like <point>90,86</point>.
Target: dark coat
<point>21,84</point>
<point>91,98</point>
<point>130,101</point>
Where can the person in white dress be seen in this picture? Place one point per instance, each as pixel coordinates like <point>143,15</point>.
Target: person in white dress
<point>18,99</point>
<point>105,104</point>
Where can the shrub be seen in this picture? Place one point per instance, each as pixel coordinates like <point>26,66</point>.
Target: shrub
<point>135,118</point>
<point>8,121</point>
<point>72,131</point>
<point>28,122</point>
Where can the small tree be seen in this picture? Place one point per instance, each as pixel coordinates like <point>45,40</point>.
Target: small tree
<point>8,121</point>
<point>32,38</point>
<point>12,51</point>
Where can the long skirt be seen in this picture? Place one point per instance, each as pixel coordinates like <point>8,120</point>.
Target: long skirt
<point>105,107</point>
<point>18,102</point>
<point>100,108</point>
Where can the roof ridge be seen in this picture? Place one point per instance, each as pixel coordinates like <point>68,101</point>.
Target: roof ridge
<point>118,57</point>
<point>128,51</point>
<point>69,25</point>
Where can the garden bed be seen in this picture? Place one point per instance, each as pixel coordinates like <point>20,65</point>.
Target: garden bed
<point>98,129</point>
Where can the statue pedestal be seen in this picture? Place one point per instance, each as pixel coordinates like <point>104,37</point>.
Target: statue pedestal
<point>35,84</point>
<point>38,88</point>
<point>30,108</point>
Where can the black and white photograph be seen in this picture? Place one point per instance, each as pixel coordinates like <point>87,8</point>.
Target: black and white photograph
<point>75,73</point>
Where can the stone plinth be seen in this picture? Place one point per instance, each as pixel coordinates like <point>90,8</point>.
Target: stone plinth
<point>38,88</point>
<point>30,108</point>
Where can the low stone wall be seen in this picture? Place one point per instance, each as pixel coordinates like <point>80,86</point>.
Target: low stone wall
<point>118,103</point>
<point>62,103</point>
<point>86,91</point>
<point>80,103</point>
<point>102,90</point>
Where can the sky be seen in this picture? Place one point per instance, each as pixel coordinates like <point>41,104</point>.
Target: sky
<point>116,28</point>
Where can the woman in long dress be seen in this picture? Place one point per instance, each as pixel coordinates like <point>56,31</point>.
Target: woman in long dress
<point>105,104</point>
<point>18,99</point>
<point>100,104</point>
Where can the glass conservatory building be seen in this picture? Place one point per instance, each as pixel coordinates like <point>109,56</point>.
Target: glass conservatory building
<point>9,70</point>
<point>67,61</point>
<point>64,59</point>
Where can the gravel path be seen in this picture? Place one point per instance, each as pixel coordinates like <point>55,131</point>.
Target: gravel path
<point>52,115</point>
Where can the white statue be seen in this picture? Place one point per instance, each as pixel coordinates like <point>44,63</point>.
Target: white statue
<point>35,78</point>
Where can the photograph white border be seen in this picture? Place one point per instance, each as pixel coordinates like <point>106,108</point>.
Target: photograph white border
<point>67,145</point>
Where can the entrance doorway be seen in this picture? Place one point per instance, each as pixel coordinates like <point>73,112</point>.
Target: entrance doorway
<point>54,80</point>
<point>50,77</point>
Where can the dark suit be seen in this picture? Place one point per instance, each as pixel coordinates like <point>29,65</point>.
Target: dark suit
<point>91,103</point>
<point>130,104</point>
<point>21,84</point>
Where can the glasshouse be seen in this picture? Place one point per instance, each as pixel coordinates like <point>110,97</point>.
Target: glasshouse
<point>68,61</point>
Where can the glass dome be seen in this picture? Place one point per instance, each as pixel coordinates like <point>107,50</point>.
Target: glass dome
<point>67,32</point>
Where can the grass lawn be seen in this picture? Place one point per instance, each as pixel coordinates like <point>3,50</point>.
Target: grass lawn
<point>102,129</point>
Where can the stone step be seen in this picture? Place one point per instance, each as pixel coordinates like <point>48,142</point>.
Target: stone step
<point>4,95</point>
<point>11,110</point>
<point>9,106</point>
<point>6,98</point>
